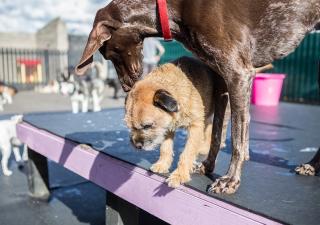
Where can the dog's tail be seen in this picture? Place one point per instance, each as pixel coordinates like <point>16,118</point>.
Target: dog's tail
<point>264,68</point>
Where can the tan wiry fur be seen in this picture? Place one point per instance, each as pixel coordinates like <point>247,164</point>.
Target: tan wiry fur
<point>191,84</point>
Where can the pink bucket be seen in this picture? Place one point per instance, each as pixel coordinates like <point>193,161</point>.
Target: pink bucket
<point>266,89</point>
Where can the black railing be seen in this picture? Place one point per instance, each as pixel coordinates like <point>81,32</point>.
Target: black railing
<point>25,68</point>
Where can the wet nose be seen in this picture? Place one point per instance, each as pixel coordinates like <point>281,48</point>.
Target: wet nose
<point>139,145</point>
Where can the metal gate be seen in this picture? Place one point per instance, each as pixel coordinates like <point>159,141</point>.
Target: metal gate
<point>28,68</point>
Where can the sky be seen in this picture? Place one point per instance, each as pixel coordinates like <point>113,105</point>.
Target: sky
<point>30,15</point>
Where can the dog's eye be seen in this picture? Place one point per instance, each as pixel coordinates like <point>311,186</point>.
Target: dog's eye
<point>147,126</point>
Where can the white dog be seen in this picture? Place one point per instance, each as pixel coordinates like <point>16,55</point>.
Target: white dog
<point>84,92</point>
<point>9,142</point>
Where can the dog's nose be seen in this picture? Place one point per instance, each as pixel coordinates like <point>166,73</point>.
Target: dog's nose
<point>139,145</point>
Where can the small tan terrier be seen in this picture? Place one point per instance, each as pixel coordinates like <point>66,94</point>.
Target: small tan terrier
<point>176,95</point>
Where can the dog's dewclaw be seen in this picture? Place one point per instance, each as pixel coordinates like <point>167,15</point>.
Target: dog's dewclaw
<point>306,170</point>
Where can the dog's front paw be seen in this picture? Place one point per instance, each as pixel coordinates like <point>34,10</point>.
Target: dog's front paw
<point>7,172</point>
<point>160,167</point>
<point>306,170</point>
<point>225,185</point>
<point>206,167</point>
<point>177,178</point>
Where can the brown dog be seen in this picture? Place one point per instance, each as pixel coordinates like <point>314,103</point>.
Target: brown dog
<point>177,94</point>
<point>232,37</point>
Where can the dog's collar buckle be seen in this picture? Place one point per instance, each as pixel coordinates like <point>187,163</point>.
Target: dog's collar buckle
<point>164,20</point>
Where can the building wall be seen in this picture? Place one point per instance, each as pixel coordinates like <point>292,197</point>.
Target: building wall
<point>53,36</point>
<point>18,40</point>
<point>48,45</point>
<point>76,46</point>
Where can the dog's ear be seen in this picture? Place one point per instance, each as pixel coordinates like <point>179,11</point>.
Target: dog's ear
<point>165,101</point>
<point>100,33</point>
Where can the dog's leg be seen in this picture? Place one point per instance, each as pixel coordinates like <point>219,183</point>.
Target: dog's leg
<point>16,152</point>
<point>6,152</point>
<point>311,168</point>
<point>166,156</point>
<point>185,165</point>
<point>220,123</point>
<point>96,101</point>
<point>25,153</point>
<point>240,91</point>
<point>85,105</point>
<point>205,146</point>
<point>225,124</point>
<point>75,106</point>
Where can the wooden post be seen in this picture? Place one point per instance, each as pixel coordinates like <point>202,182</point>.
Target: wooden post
<point>38,177</point>
<point>121,212</point>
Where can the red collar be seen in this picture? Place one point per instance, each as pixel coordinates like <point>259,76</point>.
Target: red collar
<point>164,20</point>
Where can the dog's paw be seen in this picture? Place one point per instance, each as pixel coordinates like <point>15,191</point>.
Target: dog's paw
<point>7,173</point>
<point>306,170</point>
<point>177,178</point>
<point>160,167</point>
<point>206,167</point>
<point>225,185</point>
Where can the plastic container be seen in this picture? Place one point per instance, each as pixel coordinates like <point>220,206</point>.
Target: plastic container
<point>266,89</point>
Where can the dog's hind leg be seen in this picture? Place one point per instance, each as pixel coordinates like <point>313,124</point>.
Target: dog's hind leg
<point>219,131</point>
<point>96,101</point>
<point>16,152</point>
<point>226,120</point>
<point>205,146</point>
<point>75,106</point>
<point>311,168</point>
<point>239,87</point>
<point>166,156</point>
<point>85,105</point>
<point>6,152</point>
<point>15,143</point>
<point>25,153</point>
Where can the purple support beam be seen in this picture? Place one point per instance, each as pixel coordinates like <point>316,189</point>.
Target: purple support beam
<point>142,188</point>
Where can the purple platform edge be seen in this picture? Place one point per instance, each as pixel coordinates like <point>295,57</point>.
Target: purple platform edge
<point>142,188</point>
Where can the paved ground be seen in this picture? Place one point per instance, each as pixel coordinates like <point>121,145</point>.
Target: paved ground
<point>74,201</point>
<point>29,101</point>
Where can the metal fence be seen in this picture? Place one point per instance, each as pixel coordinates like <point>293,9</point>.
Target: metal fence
<point>28,68</point>
<point>301,68</point>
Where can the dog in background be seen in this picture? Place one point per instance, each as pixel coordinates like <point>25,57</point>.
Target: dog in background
<point>85,92</point>
<point>7,93</point>
<point>9,142</point>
